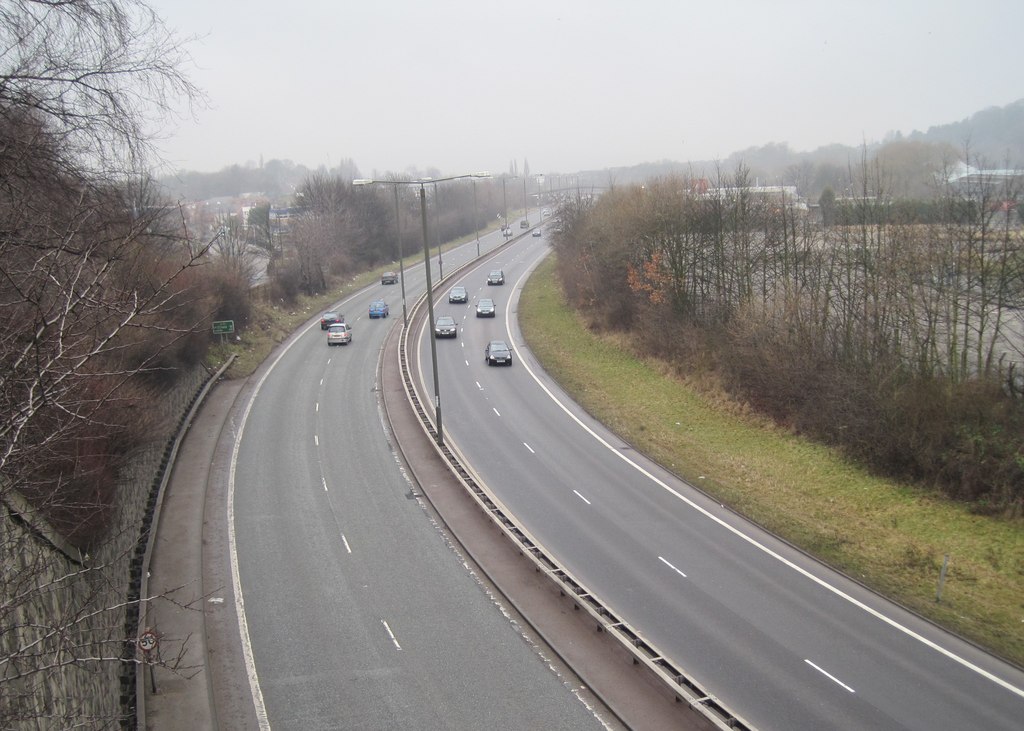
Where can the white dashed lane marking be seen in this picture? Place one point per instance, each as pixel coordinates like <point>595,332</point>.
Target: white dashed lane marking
<point>671,567</point>
<point>831,677</point>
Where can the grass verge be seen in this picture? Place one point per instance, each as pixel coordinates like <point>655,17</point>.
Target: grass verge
<point>271,323</point>
<point>890,536</point>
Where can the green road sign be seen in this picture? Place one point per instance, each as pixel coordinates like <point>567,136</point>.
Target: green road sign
<point>223,327</point>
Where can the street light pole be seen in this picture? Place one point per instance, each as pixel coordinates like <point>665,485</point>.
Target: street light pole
<point>426,265</point>
<point>398,232</point>
<point>504,199</point>
<point>401,257</point>
<point>430,315</point>
<point>476,220</point>
<point>526,202</point>
<point>437,230</point>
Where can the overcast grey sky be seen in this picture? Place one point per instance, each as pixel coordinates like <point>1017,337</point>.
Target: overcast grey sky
<point>468,85</point>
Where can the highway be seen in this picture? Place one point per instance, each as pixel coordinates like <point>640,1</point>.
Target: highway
<point>358,612</point>
<point>783,641</point>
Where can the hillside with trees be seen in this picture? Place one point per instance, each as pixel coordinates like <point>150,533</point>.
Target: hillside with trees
<point>991,138</point>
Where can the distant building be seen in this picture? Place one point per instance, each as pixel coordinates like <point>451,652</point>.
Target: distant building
<point>777,194</point>
<point>973,182</point>
<point>281,218</point>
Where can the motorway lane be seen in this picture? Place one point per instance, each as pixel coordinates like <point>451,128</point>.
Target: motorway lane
<point>360,614</point>
<point>777,646</point>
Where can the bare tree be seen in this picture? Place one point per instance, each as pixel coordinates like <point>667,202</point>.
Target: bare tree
<point>97,74</point>
<point>100,302</point>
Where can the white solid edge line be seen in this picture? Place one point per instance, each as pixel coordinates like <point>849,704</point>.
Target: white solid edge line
<point>752,541</point>
<point>236,583</point>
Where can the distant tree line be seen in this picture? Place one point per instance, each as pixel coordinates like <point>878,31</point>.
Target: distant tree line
<point>911,160</point>
<point>276,179</point>
<point>892,330</point>
<point>344,229</point>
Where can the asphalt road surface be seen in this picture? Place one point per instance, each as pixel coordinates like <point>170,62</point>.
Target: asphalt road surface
<point>783,641</point>
<point>359,612</point>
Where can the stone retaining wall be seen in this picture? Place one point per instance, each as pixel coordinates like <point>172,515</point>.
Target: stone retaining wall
<point>68,621</point>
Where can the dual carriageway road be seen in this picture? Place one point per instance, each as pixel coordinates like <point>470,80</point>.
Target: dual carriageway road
<point>354,610</point>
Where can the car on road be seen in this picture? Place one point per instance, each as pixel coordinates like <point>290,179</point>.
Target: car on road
<point>496,277</point>
<point>329,318</point>
<point>379,308</point>
<point>497,352</point>
<point>536,233</point>
<point>445,327</point>
<point>485,308</point>
<point>389,278</point>
<point>340,333</point>
<point>507,232</point>
<point>524,224</point>
<point>457,294</point>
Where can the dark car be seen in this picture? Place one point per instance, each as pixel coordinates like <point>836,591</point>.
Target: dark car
<point>496,277</point>
<point>497,352</point>
<point>458,294</point>
<point>485,308</point>
<point>379,308</point>
<point>524,224</point>
<point>389,278</point>
<point>329,318</point>
<point>445,327</point>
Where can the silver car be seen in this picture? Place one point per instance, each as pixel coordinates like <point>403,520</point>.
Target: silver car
<point>340,333</point>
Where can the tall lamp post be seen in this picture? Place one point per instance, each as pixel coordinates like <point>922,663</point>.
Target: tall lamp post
<point>398,233</point>
<point>504,194</point>
<point>401,257</point>
<point>504,200</point>
<point>526,201</point>
<point>476,220</point>
<point>430,287</point>
<point>437,231</point>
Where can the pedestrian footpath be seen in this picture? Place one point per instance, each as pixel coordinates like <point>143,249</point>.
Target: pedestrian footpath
<point>182,698</point>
